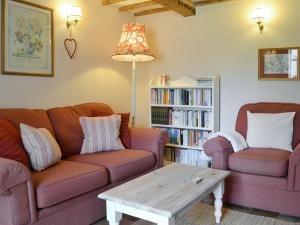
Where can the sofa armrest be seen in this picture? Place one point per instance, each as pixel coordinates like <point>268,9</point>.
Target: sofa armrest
<point>294,170</point>
<point>219,149</point>
<point>16,193</point>
<point>150,139</point>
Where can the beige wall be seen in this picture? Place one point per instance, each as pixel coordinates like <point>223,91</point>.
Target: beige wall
<point>221,40</point>
<point>91,76</point>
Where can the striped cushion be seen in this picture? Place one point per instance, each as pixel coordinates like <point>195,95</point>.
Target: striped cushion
<point>41,146</point>
<point>101,134</point>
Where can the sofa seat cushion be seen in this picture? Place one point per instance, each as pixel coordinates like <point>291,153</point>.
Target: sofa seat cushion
<point>260,161</point>
<point>121,164</point>
<point>66,180</point>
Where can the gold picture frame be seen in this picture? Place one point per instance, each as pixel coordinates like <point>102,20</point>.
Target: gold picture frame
<point>27,39</point>
<point>279,63</point>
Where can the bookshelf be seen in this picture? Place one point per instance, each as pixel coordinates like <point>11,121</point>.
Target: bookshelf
<point>188,109</point>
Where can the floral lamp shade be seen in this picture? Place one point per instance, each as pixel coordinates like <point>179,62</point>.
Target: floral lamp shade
<point>133,45</point>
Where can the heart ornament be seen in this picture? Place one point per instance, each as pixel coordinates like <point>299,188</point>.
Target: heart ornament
<point>71,46</point>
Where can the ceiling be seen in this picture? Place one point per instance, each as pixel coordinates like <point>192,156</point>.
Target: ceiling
<point>146,7</point>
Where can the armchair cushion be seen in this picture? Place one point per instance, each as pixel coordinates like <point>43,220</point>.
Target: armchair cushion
<point>121,165</point>
<point>260,161</point>
<point>66,180</point>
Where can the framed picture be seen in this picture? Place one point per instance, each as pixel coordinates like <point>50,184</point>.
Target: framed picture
<point>278,64</point>
<point>27,39</point>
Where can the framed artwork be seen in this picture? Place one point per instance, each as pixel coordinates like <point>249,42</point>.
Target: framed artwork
<point>27,39</point>
<point>278,64</point>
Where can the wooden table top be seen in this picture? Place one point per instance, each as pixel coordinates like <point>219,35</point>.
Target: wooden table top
<point>168,190</point>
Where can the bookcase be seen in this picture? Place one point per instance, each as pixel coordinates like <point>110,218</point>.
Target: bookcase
<point>188,109</point>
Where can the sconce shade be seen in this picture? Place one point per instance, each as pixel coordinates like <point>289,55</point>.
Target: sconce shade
<point>74,13</point>
<point>133,45</point>
<point>259,14</point>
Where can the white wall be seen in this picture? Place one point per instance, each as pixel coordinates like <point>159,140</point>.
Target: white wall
<point>91,76</point>
<point>221,40</point>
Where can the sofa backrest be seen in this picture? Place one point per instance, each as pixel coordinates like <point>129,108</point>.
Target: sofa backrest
<point>269,107</point>
<point>67,128</point>
<point>37,118</point>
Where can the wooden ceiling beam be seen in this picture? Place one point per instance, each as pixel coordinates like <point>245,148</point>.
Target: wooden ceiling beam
<point>109,2</point>
<point>207,2</point>
<point>152,11</point>
<point>178,6</point>
<point>137,5</point>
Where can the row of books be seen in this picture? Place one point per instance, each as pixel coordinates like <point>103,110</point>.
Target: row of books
<point>187,156</point>
<point>193,138</point>
<point>190,118</point>
<point>191,97</point>
<point>187,118</point>
<point>192,157</point>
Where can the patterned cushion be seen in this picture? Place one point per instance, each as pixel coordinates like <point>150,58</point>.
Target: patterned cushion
<point>124,128</point>
<point>101,134</point>
<point>11,146</point>
<point>42,148</point>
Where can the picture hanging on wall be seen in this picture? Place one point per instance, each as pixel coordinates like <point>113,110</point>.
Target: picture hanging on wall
<point>278,64</point>
<point>27,39</point>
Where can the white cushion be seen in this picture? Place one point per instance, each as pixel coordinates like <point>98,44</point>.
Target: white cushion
<point>101,134</point>
<point>42,148</point>
<point>266,130</point>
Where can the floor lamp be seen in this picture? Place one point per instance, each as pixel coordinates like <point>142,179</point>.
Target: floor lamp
<point>133,47</point>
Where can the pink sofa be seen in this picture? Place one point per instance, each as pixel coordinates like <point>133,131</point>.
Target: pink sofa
<point>266,179</point>
<point>66,194</point>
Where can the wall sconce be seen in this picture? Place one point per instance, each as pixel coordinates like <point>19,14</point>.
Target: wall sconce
<point>259,16</point>
<point>73,16</point>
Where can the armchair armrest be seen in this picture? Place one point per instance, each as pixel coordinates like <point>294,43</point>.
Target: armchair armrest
<point>16,193</point>
<point>294,170</point>
<point>219,149</point>
<point>150,139</point>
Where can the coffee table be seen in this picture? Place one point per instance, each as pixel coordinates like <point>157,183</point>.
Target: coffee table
<point>160,195</point>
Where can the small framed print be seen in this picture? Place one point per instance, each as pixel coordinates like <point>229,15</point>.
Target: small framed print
<point>27,39</point>
<point>278,64</point>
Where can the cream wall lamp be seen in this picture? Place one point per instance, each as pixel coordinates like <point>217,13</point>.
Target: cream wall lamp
<point>133,47</point>
<point>259,15</point>
<point>73,16</point>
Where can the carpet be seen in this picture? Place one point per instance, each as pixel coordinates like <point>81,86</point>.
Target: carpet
<point>202,214</point>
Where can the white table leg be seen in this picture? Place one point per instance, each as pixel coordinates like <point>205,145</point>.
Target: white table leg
<point>218,193</point>
<point>169,221</point>
<point>113,216</point>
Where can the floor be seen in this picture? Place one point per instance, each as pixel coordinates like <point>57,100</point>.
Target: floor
<point>128,220</point>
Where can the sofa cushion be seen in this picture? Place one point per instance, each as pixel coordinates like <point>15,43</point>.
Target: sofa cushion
<point>42,148</point>
<point>37,118</point>
<point>124,128</point>
<point>121,165</point>
<point>11,146</point>
<point>101,134</point>
<point>67,128</point>
<point>260,161</point>
<point>66,180</point>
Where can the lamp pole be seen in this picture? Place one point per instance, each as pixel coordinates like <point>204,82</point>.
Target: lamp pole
<point>133,94</point>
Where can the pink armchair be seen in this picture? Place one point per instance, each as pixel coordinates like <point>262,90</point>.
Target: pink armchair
<point>267,179</point>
